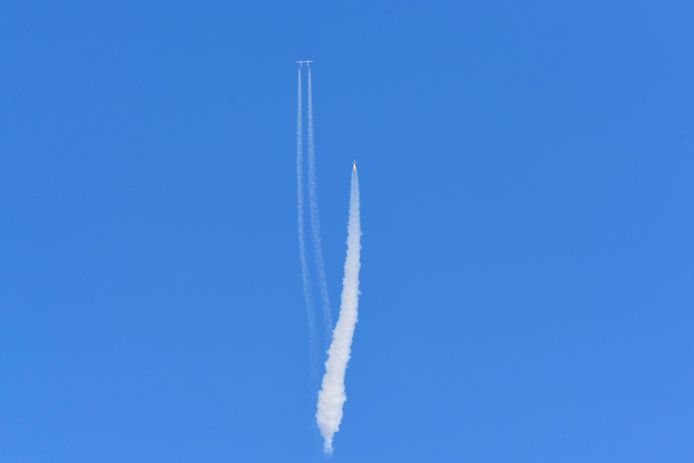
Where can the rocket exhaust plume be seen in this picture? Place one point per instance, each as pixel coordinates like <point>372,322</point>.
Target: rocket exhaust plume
<point>315,220</point>
<point>300,223</point>
<point>332,394</point>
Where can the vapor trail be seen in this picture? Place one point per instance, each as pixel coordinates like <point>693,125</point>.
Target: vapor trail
<point>308,301</point>
<point>315,220</point>
<point>332,395</point>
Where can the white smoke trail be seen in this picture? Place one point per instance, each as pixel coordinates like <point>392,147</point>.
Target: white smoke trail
<point>300,223</point>
<point>332,395</point>
<point>315,220</point>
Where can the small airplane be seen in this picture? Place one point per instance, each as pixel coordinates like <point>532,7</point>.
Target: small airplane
<point>307,62</point>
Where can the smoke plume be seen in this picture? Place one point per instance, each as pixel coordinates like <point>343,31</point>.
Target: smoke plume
<point>332,394</point>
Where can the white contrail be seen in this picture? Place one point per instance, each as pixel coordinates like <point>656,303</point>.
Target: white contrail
<point>315,220</point>
<point>332,395</point>
<point>300,223</point>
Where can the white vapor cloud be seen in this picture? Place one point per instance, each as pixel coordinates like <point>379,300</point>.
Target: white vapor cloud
<point>332,396</point>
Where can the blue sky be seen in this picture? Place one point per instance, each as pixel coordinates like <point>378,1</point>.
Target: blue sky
<point>528,263</point>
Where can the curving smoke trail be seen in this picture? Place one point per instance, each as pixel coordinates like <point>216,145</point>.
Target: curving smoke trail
<point>332,395</point>
<point>300,223</point>
<point>315,220</point>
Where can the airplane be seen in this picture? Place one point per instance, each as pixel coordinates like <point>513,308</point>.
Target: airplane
<point>354,165</point>
<point>307,62</point>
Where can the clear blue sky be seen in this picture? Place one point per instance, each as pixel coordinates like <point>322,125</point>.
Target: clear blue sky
<point>527,180</point>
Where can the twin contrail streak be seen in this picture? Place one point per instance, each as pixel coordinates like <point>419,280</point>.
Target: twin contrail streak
<point>300,222</point>
<point>332,395</point>
<point>315,220</point>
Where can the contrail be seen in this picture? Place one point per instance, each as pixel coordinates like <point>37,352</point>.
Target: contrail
<point>315,220</point>
<point>332,395</point>
<point>300,223</point>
